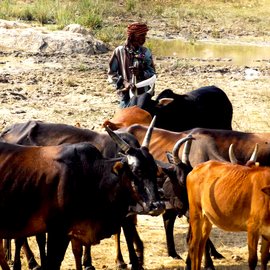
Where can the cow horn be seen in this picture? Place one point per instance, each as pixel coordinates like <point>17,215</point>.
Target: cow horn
<point>148,134</point>
<point>118,140</point>
<point>232,156</point>
<point>186,150</point>
<point>254,155</point>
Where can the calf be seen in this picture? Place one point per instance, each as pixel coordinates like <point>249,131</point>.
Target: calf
<point>234,198</point>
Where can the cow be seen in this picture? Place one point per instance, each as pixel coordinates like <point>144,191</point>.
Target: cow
<point>208,144</point>
<point>205,107</point>
<point>128,116</point>
<point>39,133</point>
<point>234,198</point>
<point>71,190</point>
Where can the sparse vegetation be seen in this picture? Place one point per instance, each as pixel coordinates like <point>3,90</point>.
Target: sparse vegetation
<point>107,19</point>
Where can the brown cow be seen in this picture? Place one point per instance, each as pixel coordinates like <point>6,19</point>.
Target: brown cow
<point>61,162</point>
<point>234,198</point>
<point>128,116</point>
<point>208,144</point>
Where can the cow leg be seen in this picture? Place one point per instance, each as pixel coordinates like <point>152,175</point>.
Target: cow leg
<point>77,250</point>
<point>213,251</point>
<point>253,239</point>
<point>32,263</point>
<point>264,253</point>
<point>3,262</point>
<point>19,242</point>
<point>41,241</point>
<point>56,248</point>
<point>208,263</point>
<point>119,260</point>
<point>194,259</point>
<point>206,229</point>
<point>87,259</point>
<point>139,247</point>
<point>7,249</point>
<point>129,229</point>
<point>168,220</point>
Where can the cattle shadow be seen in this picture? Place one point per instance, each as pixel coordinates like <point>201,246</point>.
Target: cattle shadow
<point>233,245</point>
<point>227,267</point>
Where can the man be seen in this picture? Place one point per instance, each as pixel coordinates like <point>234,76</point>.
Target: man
<point>131,63</point>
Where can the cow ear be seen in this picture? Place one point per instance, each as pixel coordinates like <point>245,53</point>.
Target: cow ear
<point>164,102</point>
<point>170,157</point>
<point>117,167</point>
<point>266,190</point>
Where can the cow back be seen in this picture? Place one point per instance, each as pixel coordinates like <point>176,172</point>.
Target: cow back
<point>41,133</point>
<point>228,194</point>
<point>206,107</point>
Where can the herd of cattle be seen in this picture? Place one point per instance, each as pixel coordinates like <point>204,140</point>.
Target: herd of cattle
<point>175,155</point>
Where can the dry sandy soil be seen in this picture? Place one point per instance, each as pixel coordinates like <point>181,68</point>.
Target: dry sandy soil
<point>74,88</point>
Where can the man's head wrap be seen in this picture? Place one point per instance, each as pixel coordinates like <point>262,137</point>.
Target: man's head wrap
<point>137,28</point>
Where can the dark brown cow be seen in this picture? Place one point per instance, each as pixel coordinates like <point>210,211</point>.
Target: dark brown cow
<point>234,198</point>
<point>128,116</point>
<point>38,133</point>
<point>54,188</point>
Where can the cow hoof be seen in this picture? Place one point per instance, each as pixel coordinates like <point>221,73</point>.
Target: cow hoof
<point>89,268</point>
<point>137,268</point>
<point>176,256</point>
<point>121,266</point>
<point>218,256</point>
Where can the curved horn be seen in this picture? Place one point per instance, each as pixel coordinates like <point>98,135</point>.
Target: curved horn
<point>148,134</point>
<point>118,140</point>
<point>232,156</point>
<point>177,146</point>
<point>254,155</point>
<point>186,151</point>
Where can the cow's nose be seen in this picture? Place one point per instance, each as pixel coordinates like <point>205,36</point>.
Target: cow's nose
<point>161,193</point>
<point>157,208</point>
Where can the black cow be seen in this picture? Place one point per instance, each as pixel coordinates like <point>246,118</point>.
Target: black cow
<point>39,133</point>
<point>70,191</point>
<point>207,107</point>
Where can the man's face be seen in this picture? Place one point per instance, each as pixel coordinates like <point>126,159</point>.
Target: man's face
<point>138,40</point>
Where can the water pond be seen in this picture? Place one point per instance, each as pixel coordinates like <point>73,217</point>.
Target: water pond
<point>240,53</point>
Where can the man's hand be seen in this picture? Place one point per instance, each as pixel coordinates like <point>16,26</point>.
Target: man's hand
<point>134,70</point>
<point>127,87</point>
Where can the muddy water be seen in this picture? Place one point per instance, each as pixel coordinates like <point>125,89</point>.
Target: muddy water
<point>239,54</point>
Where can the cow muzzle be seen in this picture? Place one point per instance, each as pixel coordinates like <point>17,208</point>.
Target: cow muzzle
<point>152,209</point>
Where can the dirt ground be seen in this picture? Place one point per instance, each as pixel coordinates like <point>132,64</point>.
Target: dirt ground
<point>71,89</point>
